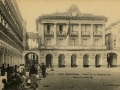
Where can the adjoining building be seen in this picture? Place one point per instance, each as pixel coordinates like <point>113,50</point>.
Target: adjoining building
<point>30,54</point>
<point>72,39</point>
<point>112,39</point>
<point>11,33</point>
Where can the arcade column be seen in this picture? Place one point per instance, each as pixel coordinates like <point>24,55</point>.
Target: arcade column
<point>55,62</point>
<point>92,62</point>
<point>80,61</point>
<point>104,61</point>
<point>67,61</point>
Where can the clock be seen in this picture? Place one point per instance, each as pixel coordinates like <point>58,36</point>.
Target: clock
<point>74,14</point>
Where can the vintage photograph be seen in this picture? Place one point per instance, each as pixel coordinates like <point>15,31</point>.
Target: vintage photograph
<point>59,45</point>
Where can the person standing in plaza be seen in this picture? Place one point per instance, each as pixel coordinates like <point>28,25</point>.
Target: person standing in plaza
<point>32,74</point>
<point>8,70</point>
<point>3,70</point>
<point>109,60</point>
<point>43,70</point>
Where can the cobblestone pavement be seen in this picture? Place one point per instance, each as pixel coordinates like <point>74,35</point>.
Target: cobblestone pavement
<point>80,79</point>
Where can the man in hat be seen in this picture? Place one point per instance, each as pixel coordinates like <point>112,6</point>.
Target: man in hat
<point>43,70</point>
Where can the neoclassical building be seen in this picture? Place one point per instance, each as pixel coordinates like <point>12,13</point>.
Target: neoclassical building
<point>11,33</point>
<point>72,39</point>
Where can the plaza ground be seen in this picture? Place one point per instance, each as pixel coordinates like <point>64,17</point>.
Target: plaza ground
<point>80,79</point>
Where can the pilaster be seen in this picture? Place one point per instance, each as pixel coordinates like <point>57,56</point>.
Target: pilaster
<point>55,62</point>
<point>92,61</point>
<point>104,61</point>
<point>3,58</point>
<point>42,33</point>
<point>67,61</point>
<point>91,32</point>
<point>103,35</point>
<point>54,34</point>
<point>118,60</point>
<point>79,33</point>
<point>80,62</point>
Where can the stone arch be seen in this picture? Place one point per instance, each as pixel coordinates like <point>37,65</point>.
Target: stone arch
<point>61,60</point>
<point>49,59</point>
<point>31,58</point>
<point>86,60</point>
<point>73,60</point>
<point>97,60</point>
<point>112,59</point>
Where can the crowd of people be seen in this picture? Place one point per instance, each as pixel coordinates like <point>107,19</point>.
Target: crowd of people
<point>18,76</point>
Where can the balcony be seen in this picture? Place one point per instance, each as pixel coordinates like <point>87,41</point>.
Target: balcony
<point>7,15</point>
<point>85,34</point>
<point>5,31</point>
<point>49,34</point>
<point>74,34</point>
<point>97,34</point>
<point>61,34</point>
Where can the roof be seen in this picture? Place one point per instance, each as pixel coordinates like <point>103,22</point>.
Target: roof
<point>32,35</point>
<point>68,15</point>
<point>111,25</point>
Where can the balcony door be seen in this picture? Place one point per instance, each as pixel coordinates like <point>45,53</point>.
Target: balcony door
<point>48,29</point>
<point>60,28</point>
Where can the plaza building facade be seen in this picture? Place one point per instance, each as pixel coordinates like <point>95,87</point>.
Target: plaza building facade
<point>11,33</point>
<point>72,39</point>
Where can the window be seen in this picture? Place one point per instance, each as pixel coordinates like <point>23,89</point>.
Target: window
<point>48,42</point>
<point>73,28</point>
<point>109,45</point>
<point>73,42</point>
<point>96,42</point>
<point>60,42</point>
<point>60,28</point>
<point>48,27</point>
<point>96,28</point>
<point>114,44</point>
<point>84,42</point>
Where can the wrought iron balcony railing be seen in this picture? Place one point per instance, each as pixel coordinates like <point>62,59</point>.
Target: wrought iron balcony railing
<point>97,34</point>
<point>74,34</point>
<point>85,34</point>
<point>5,31</point>
<point>61,34</point>
<point>50,34</point>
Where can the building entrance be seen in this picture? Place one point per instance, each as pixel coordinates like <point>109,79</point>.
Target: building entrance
<point>31,58</point>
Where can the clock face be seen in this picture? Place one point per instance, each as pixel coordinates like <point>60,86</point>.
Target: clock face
<point>74,14</point>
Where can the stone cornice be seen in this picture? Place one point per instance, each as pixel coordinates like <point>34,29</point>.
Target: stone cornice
<point>73,18</point>
<point>74,49</point>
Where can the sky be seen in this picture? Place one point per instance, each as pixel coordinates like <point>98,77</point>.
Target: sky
<point>31,9</point>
